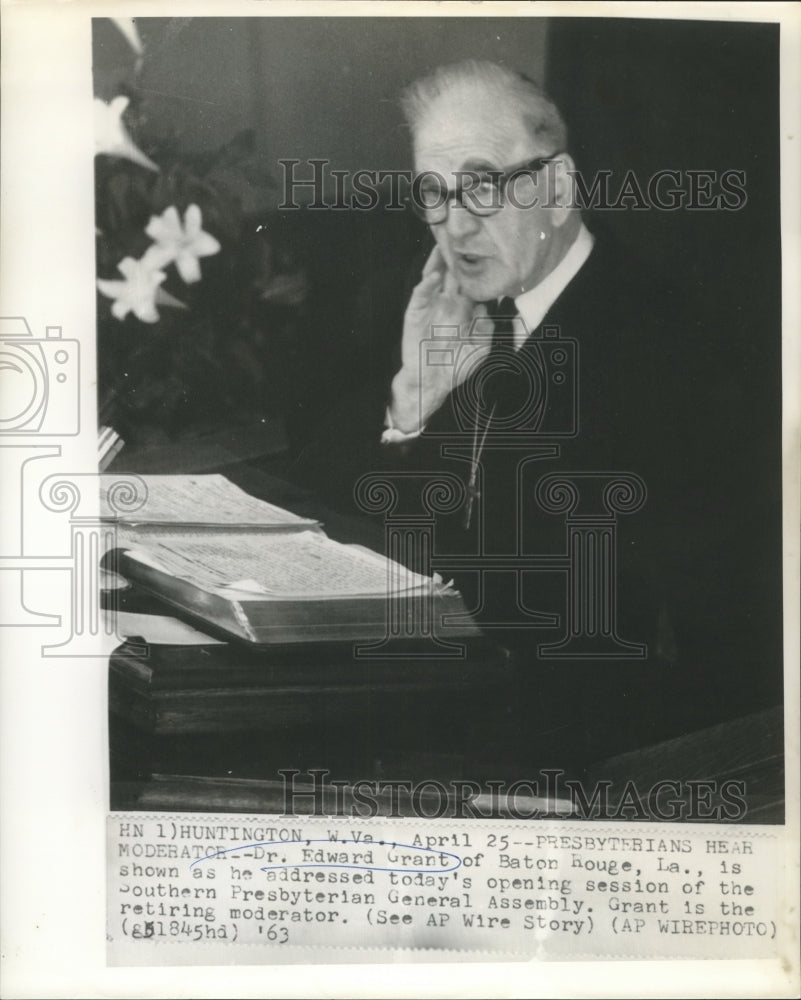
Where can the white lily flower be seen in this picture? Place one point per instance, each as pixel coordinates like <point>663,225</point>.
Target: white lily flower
<point>137,293</point>
<point>183,245</point>
<point>111,135</point>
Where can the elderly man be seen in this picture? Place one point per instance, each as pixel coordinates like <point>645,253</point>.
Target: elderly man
<point>500,232</point>
<point>551,346</point>
<point>537,367</point>
<point>530,349</point>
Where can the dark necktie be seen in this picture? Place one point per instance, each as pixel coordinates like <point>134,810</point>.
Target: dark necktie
<point>502,313</point>
<point>500,366</point>
<point>489,390</point>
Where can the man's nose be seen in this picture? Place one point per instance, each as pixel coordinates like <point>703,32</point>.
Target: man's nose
<point>460,221</point>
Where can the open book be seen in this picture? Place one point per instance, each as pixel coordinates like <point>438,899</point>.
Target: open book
<point>265,575</point>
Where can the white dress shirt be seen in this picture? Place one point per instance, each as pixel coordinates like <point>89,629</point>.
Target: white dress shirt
<point>534,304</point>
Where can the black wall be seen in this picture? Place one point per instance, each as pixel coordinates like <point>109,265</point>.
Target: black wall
<point>647,95</point>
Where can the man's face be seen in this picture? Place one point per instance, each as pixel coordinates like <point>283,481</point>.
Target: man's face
<point>502,254</point>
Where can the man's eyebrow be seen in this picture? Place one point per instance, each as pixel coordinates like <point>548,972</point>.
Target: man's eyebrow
<point>481,165</point>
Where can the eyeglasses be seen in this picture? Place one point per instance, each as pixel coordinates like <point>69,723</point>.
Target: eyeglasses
<point>481,192</point>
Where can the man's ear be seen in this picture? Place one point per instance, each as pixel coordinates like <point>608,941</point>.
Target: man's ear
<point>561,188</point>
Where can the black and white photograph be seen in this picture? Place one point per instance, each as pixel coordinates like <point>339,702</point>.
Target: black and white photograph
<point>427,554</point>
<point>498,300</point>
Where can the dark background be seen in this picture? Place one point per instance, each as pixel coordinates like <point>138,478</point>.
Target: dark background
<point>648,95</point>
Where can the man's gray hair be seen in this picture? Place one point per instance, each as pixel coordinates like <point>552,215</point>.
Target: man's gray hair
<point>513,91</point>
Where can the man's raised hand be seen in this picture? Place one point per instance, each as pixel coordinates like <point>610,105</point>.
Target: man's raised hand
<point>438,322</point>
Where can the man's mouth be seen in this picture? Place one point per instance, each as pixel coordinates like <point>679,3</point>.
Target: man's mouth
<point>470,260</point>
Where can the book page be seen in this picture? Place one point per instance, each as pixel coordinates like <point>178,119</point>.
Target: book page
<point>193,499</point>
<point>297,565</point>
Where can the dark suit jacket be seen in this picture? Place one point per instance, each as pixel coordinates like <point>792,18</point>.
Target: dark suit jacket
<point>685,588</point>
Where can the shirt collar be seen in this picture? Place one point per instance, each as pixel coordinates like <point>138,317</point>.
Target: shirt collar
<point>535,303</point>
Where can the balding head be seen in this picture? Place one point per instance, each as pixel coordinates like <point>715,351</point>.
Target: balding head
<point>457,88</point>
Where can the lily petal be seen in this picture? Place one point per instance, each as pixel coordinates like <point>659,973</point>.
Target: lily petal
<point>111,135</point>
<point>204,245</point>
<point>146,312</point>
<point>166,226</point>
<point>120,309</point>
<point>127,26</point>
<point>188,267</point>
<point>193,220</point>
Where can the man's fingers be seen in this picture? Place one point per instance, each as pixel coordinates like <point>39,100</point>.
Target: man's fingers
<point>425,288</point>
<point>450,285</point>
<point>435,262</point>
<point>431,280</point>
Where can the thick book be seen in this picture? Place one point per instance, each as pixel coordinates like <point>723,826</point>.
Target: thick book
<point>269,577</point>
